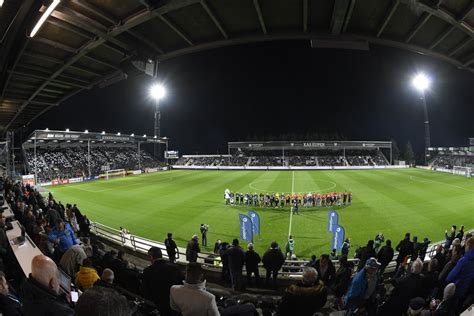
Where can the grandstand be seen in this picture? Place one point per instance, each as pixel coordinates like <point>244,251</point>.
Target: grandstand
<point>304,154</point>
<point>450,159</point>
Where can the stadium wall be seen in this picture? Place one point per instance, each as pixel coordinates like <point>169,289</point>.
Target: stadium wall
<point>289,167</point>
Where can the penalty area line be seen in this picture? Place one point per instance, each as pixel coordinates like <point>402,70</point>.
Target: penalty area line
<point>291,208</point>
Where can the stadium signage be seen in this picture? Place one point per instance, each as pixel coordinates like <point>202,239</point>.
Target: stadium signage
<point>76,180</point>
<point>114,138</point>
<point>295,145</point>
<point>314,144</point>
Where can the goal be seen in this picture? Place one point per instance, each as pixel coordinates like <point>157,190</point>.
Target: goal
<point>115,173</point>
<point>463,171</point>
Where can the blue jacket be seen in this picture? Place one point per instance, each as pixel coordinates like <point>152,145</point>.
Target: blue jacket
<point>463,273</point>
<point>356,292</point>
<point>66,238</point>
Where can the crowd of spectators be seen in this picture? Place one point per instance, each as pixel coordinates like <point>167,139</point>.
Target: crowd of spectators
<point>70,162</point>
<point>296,158</point>
<point>449,160</point>
<point>441,284</point>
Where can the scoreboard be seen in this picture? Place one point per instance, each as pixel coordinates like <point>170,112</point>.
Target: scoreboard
<point>171,154</point>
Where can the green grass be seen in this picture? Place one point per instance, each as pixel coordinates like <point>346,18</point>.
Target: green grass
<point>422,202</point>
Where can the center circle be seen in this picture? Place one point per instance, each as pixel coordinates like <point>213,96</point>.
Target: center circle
<point>301,186</point>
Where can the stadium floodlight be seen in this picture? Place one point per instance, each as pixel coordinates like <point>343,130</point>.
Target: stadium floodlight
<point>421,82</point>
<point>67,129</point>
<point>103,133</point>
<point>45,15</point>
<point>1,3</point>
<point>118,134</point>
<point>155,136</point>
<point>47,129</point>
<point>86,131</point>
<point>157,91</point>
<point>133,134</point>
<point>144,135</point>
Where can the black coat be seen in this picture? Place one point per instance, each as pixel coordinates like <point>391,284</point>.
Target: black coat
<point>40,301</point>
<point>252,259</point>
<point>157,280</point>
<point>273,259</point>
<point>303,300</point>
<point>10,306</point>
<point>342,281</point>
<point>404,248</point>
<point>385,255</point>
<point>404,290</point>
<point>192,250</point>
<point>364,254</point>
<point>236,258</point>
<point>328,278</point>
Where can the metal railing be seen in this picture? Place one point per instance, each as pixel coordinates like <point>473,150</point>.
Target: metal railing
<point>291,268</point>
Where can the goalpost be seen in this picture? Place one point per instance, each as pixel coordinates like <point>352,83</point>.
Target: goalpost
<point>115,173</point>
<point>463,171</point>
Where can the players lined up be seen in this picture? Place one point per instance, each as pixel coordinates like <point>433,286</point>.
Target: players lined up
<point>286,200</point>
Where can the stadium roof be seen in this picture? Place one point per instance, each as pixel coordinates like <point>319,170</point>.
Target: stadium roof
<point>85,43</point>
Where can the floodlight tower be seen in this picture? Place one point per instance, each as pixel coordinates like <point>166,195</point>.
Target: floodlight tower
<point>157,92</point>
<point>421,83</point>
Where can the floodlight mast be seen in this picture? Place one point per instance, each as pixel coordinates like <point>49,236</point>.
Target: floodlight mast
<point>157,92</point>
<point>421,83</point>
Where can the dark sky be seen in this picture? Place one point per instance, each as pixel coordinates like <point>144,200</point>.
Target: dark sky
<point>274,88</point>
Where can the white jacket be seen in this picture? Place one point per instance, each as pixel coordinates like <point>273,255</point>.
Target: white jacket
<point>193,300</point>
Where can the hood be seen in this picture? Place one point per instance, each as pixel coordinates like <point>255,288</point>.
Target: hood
<point>307,290</point>
<point>197,286</point>
<point>32,290</point>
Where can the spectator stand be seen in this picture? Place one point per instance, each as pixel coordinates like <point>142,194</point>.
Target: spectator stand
<point>67,154</point>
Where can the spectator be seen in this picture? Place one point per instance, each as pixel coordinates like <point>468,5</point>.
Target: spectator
<point>345,247</point>
<point>430,278</point>
<point>342,280</point>
<point>191,298</point>
<point>378,241</point>
<point>106,279</point>
<point>448,305</point>
<point>385,255</point>
<point>10,305</point>
<point>365,253</point>
<point>193,249</point>
<point>225,261</point>
<point>86,245</point>
<point>449,238</point>
<point>108,259</point>
<point>171,248</point>
<point>440,257</point>
<point>326,270</point>
<point>273,260</point>
<point>312,262</point>
<point>204,228</point>
<point>453,260</point>
<point>217,246</point>
<point>289,247</point>
<point>361,294</point>
<point>4,243</point>
<point>63,237</point>
<point>306,297</point>
<point>333,256</point>
<point>40,292</point>
<point>463,273</point>
<point>72,259</point>
<point>236,262</point>
<point>460,233</point>
<point>252,259</point>
<point>405,288</point>
<point>404,248</point>
<point>101,301</point>
<point>416,248</point>
<point>120,263</point>
<point>87,275</point>
<point>157,280</point>
<point>424,248</point>
<point>84,227</point>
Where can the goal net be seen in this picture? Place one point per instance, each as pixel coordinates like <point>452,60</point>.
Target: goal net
<point>463,171</point>
<point>115,173</point>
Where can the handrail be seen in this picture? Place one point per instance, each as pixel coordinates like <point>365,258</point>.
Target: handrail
<point>290,268</point>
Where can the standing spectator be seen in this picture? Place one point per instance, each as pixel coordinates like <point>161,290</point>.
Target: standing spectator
<point>440,257</point>
<point>404,248</point>
<point>252,259</point>
<point>460,233</point>
<point>10,305</point>
<point>312,262</point>
<point>40,292</point>
<point>378,241</point>
<point>193,249</point>
<point>4,243</point>
<point>345,247</point>
<point>87,275</point>
<point>157,280</point>
<point>63,237</point>
<point>453,260</point>
<point>289,247</point>
<point>361,294</point>
<point>84,227</point>
<point>424,248</point>
<point>342,281</point>
<point>236,262</point>
<point>306,297</point>
<point>204,228</point>
<point>225,261</point>
<point>102,301</point>
<point>72,259</point>
<point>416,248</point>
<point>217,246</point>
<point>463,273</point>
<point>365,253</point>
<point>449,238</point>
<point>171,248</point>
<point>273,260</point>
<point>385,255</point>
<point>86,245</point>
<point>191,298</point>
<point>326,270</point>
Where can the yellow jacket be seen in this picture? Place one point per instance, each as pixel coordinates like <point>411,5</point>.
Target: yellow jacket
<point>86,278</point>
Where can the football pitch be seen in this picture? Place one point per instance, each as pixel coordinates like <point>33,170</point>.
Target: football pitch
<point>392,201</point>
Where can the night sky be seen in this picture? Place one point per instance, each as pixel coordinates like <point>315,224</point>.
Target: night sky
<point>277,88</point>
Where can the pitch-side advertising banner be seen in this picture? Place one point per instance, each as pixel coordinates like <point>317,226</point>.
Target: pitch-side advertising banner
<point>246,229</point>
<point>333,220</point>
<point>255,218</point>
<point>338,238</point>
